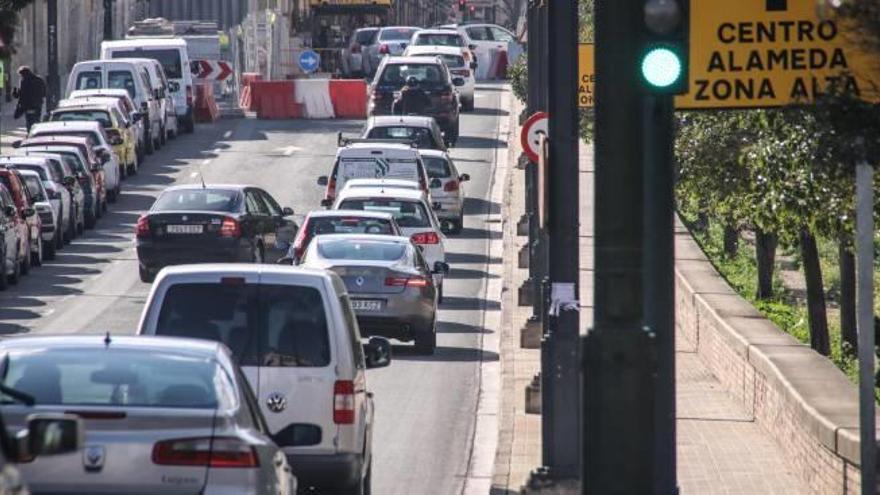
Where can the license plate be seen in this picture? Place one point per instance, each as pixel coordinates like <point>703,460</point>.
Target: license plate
<point>366,305</point>
<point>185,229</point>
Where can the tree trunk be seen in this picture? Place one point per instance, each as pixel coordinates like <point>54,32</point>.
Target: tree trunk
<point>847,265</point>
<point>731,242</point>
<point>765,255</point>
<point>819,339</point>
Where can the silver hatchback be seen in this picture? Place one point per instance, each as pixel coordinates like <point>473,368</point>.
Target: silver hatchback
<point>162,415</point>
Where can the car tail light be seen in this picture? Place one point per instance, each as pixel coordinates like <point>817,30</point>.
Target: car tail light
<point>462,72</point>
<point>331,190</point>
<point>451,186</point>
<point>301,240</point>
<point>384,49</point>
<point>355,48</point>
<point>425,238</point>
<point>343,402</point>
<point>406,282</point>
<point>189,96</point>
<point>230,228</point>
<point>218,452</point>
<point>143,227</point>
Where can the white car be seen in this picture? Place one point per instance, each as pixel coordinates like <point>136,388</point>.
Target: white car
<point>391,40</point>
<point>458,66</point>
<point>447,188</point>
<point>96,135</point>
<point>296,338</point>
<point>445,37</point>
<point>485,38</point>
<point>130,110</point>
<point>50,220</point>
<point>413,212</point>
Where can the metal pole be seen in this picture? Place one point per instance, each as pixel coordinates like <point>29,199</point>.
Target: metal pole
<point>53,80</point>
<point>563,229</point>
<point>659,280</point>
<point>865,322</point>
<point>618,364</point>
<point>108,19</point>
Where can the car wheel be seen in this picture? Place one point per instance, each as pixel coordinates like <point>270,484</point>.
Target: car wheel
<point>258,256</point>
<point>163,136</point>
<point>37,258</point>
<point>440,294</point>
<point>16,271</point>
<point>426,339</point>
<point>467,105</point>
<point>150,144</point>
<point>146,275</point>
<point>50,247</point>
<point>26,260</point>
<point>133,166</point>
<point>90,221</point>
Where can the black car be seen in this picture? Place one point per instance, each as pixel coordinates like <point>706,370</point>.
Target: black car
<point>433,77</point>
<point>212,224</point>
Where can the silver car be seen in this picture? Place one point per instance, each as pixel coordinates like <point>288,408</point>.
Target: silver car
<point>391,286</point>
<point>162,415</point>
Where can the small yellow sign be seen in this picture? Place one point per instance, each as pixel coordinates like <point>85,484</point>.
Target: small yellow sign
<point>586,75</point>
<point>2,75</point>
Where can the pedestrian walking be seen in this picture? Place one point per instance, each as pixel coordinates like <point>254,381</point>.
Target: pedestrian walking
<point>30,93</point>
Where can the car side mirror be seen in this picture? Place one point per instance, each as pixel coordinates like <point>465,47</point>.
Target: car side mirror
<point>50,434</point>
<point>377,353</point>
<point>173,86</point>
<point>28,212</point>
<point>464,178</point>
<point>323,180</point>
<point>104,157</point>
<point>458,81</point>
<point>9,211</point>
<point>326,203</point>
<point>287,211</point>
<point>17,144</point>
<point>287,260</point>
<point>441,267</point>
<point>69,181</point>
<point>435,183</point>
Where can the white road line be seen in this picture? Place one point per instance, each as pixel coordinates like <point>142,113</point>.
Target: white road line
<point>206,162</point>
<point>227,134</point>
<point>194,175</point>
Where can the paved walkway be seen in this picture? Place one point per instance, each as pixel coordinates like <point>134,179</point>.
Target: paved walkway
<point>10,129</point>
<point>720,448</point>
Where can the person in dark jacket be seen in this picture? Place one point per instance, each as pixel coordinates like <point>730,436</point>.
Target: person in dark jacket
<point>30,94</point>
<point>413,100</point>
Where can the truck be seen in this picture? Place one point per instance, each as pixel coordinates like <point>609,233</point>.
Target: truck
<point>332,22</point>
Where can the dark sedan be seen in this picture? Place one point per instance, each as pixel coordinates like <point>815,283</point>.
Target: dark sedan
<point>210,224</point>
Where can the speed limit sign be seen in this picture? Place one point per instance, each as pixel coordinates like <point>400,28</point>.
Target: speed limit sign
<point>536,126</point>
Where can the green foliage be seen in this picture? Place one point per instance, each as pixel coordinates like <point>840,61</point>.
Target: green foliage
<point>9,10</point>
<point>519,78</point>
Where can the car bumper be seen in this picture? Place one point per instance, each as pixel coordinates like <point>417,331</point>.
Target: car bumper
<point>155,256</point>
<point>326,471</point>
<point>450,208</point>
<point>391,327</point>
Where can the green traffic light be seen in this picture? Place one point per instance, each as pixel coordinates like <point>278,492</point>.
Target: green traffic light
<point>661,67</point>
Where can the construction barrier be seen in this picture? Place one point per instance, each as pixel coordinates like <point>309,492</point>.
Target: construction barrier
<point>314,96</point>
<point>205,107</point>
<point>246,100</point>
<point>349,97</point>
<point>274,100</point>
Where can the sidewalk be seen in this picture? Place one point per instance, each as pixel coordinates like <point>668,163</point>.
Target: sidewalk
<point>10,129</point>
<point>720,447</point>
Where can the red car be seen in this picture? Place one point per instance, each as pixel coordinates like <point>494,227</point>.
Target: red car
<point>29,226</point>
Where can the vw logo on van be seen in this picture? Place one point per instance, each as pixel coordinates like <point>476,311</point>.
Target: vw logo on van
<point>359,281</point>
<point>93,457</point>
<point>276,402</point>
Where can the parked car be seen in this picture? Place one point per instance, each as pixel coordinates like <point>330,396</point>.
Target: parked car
<point>108,112</point>
<point>66,164</point>
<point>56,182</point>
<point>32,225</point>
<point>162,89</point>
<point>355,55</point>
<point>14,230</point>
<point>458,66</point>
<point>422,132</point>
<point>160,415</point>
<point>297,340</point>
<point>391,286</point>
<point>50,224</point>
<point>89,170</point>
<point>447,188</point>
<point>125,74</point>
<point>413,213</point>
<point>131,111</point>
<point>445,38</point>
<point>213,223</point>
<point>391,40</point>
<point>485,38</point>
<point>101,143</point>
<point>320,222</point>
<point>433,78</point>
<point>373,160</point>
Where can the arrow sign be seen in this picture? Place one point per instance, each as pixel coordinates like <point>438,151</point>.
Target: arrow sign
<point>215,70</point>
<point>309,61</point>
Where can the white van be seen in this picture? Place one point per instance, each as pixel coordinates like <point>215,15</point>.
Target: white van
<point>174,57</point>
<point>166,100</point>
<point>130,75</point>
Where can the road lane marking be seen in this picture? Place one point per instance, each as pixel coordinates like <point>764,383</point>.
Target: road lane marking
<point>227,134</point>
<point>206,162</point>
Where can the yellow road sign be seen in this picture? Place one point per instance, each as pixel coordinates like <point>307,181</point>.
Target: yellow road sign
<point>768,53</point>
<point>586,75</point>
<point>2,75</point>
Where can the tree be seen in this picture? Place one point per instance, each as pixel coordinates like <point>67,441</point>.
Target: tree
<point>9,10</point>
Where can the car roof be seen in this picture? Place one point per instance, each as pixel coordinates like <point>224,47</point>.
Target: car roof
<point>366,150</point>
<point>28,173</point>
<point>434,153</point>
<point>165,345</point>
<point>401,27</point>
<point>380,215</point>
<point>151,42</point>
<point>392,120</point>
<point>24,160</point>
<point>98,92</point>
<point>384,183</point>
<point>232,269</point>
<point>87,125</point>
<point>96,102</point>
<point>62,140</point>
<point>382,192</point>
<point>396,239</point>
<point>227,187</point>
<point>413,60</point>
<point>432,50</point>
<point>102,62</point>
<point>439,30</point>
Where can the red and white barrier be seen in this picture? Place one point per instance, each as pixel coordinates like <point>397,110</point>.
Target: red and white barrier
<point>205,106</point>
<point>306,98</point>
<point>314,96</point>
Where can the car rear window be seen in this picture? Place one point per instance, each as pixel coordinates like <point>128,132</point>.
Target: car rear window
<point>34,187</point>
<point>168,57</point>
<point>422,136</point>
<point>114,377</point>
<point>79,115</point>
<point>34,168</point>
<point>121,79</point>
<point>348,225</point>
<point>438,168</point>
<point>349,249</point>
<point>89,80</point>
<point>406,213</point>
<point>437,39</point>
<point>263,325</point>
<point>396,34</point>
<point>428,74</point>
<point>365,37</point>
<point>199,200</point>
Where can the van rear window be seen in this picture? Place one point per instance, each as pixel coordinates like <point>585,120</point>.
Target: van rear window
<point>89,80</point>
<point>121,79</point>
<point>169,58</point>
<point>263,325</point>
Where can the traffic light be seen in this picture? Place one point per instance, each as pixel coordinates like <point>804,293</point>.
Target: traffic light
<point>663,57</point>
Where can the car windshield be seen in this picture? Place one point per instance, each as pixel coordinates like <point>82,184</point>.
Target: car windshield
<point>428,74</point>
<point>263,325</point>
<point>34,187</point>
<point>168,57</point>
<point>33,168</point>
<point>121,79</point>
<point>199,200</point>
<point>89,80</point>
<point>440,39</point>
<point>422,136</point>
<point>360,250</point>
<point>396,34</point>
<point>437,168</point>
<point>101,116</point>
<point>406,213</point>
<point>349,225</point>
<point>114,377</point>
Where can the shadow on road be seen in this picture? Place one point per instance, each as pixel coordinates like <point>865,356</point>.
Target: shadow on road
<point>470,258</point>
<point>442,353</point>
<point>479,143</point>
<point>469,303</point>
<point>467,274</point>
<point>480,206</point>
<point>460,328</point>
<point>472,233</point>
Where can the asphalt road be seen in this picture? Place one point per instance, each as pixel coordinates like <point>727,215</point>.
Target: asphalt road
<point>425,405</point>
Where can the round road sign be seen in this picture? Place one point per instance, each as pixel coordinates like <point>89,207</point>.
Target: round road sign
<point>536,126</point>
<point>309,61</point>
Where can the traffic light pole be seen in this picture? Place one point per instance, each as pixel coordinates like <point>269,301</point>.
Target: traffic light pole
<point>53,81</point>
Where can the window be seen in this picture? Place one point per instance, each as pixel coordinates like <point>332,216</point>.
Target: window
<point>198,200</point>
<point>406,213</point>
<point>34,168</point>
<point>479,34</point>
<point>263,325</point>
<point>101,116</point>
<point>120,377</point>
<point>438,168</point>
<point>396,34</point>
<point>271,205</point>
<point>34,187</point>
<point>422,136</point>
<point>168,57</point>
<point>354,334</point>
<point>501,35</point>
<point>89,80</point>
<point>437,39</point>
<point>347,249</point>
<point>397,74</point>
<point>348,225</point>
<point>366,36</point>
<point>121,79</point>
<point>255,205</point>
